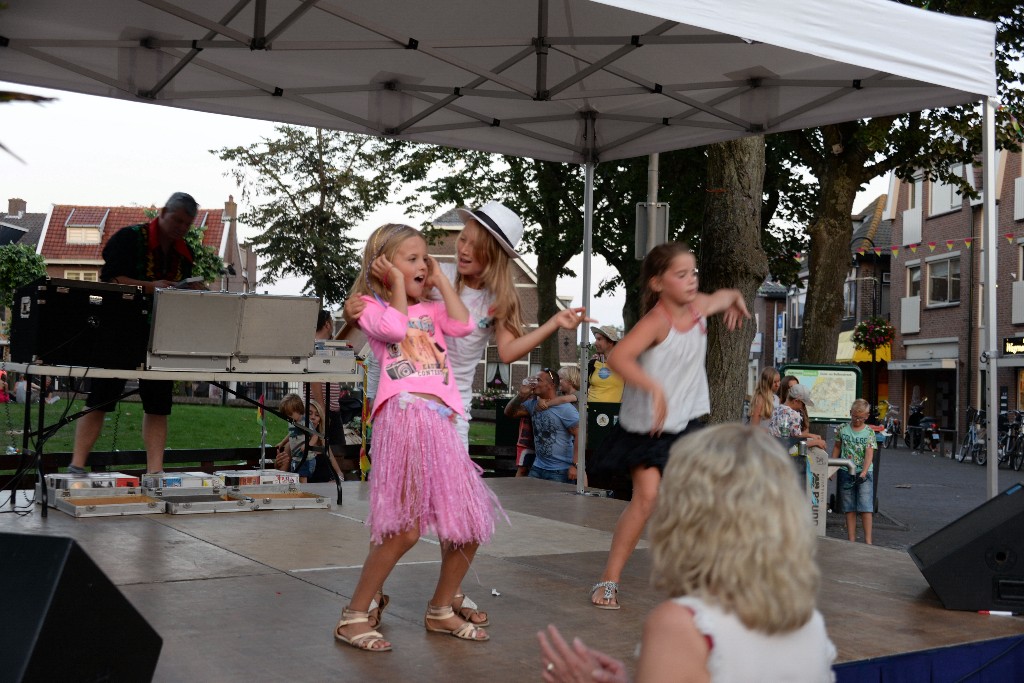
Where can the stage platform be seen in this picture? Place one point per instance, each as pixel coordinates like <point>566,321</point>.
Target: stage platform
<point>254,597</point>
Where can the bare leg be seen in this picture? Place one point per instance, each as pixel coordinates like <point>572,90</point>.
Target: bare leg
<point>630,526</point>
<point>851,526</point>
<point>87,431</point>
<point>379,563</point>
<point>455,563</point>
<point>867,520</point>
<point>154,437</point>
<point>473,617</point>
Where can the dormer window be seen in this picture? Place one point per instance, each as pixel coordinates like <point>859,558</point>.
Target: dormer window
<point>83,235</point>
<point>85,225</point>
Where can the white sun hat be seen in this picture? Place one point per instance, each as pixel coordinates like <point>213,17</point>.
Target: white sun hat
<point>500,221</point>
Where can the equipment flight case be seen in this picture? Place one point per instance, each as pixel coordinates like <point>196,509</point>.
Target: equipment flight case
<point>87,324</point>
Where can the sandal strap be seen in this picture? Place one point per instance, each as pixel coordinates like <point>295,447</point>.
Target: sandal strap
<point>350,616</point>
<point>438,613</point>
<point>467,631</point>
<point>610,589</point>
<point>467,603</point>
<point>366,641</point>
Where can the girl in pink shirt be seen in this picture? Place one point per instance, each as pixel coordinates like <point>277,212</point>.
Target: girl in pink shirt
<point>423,479</point>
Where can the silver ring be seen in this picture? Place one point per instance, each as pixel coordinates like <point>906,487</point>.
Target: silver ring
<point>551,666</point>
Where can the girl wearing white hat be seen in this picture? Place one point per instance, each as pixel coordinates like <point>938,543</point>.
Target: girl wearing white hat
<point>482,276</point>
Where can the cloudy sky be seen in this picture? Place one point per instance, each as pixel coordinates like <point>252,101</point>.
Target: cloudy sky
<point>89,150</point>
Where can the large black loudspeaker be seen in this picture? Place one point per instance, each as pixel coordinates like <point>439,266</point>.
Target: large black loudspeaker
<point>90,324</point>
<point>63,620</point>
<point>977,562</point>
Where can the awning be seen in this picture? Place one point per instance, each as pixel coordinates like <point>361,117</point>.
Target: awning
<point>846,352</point>
<point>927,364</point>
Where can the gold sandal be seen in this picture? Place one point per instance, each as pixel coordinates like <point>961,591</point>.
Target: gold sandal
<point>363,641</point>
<point>376,611</point>
<point>467,608</point>
<point>465,631</point>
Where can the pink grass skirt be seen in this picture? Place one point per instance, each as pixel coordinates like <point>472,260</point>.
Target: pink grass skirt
<point>423,475</point>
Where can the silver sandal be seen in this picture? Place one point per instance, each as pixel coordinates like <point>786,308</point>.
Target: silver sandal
<point>611,592</point>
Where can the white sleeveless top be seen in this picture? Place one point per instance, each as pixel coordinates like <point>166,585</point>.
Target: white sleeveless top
<point>678,364</point>
<point>740,655</point>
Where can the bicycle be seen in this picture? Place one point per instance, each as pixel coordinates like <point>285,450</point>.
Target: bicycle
<point>891,425</point>
<point>974,440</point>
<point>1009,440</point>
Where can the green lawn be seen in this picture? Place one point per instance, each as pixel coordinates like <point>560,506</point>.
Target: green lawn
<point>190,426</point>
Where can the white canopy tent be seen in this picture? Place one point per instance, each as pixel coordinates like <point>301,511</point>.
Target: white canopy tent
<point>563,80</point>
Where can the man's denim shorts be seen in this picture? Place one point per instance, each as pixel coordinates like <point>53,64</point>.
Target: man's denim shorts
<point>853,496</point>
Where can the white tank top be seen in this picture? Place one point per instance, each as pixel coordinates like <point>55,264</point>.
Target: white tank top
<point>740,655</point>
<point>678,364</point>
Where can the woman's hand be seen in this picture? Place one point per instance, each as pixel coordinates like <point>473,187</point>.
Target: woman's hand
<point>542,404</point>
<point>578,663</point>
<point>433,274</point>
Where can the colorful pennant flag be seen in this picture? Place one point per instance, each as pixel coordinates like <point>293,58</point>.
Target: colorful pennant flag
<point>913,247</point>
<point>967,242</point>
<point>949,244</point>
<point>878,251</point>
<point>895,251</point>
<point>1009,237</point>
<point>931,246</point>
<point>799,256</point>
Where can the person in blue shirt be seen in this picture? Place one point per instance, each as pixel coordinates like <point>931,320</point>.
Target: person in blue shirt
<point>554,429</point>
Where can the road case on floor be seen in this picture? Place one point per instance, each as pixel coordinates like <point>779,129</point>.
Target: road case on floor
<point>101,502</point>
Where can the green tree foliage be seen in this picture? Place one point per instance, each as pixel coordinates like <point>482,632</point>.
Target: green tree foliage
<point>310,187</point>
<point>845,156</point>
<point>550,195</point>
<point>19,265</point>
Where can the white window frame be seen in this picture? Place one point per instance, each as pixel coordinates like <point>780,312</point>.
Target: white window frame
<point>912,268</point>
<point>933,265</point>
<point>83,235</point>
<point>82,275</point>
<point>944,197</point>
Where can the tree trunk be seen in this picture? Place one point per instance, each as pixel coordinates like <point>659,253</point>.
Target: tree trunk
<point>829,254</point>
<point>548,267</point>
<point>731,256</point>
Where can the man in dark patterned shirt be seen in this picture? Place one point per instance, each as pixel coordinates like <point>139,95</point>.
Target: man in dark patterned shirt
<point>151,256</point>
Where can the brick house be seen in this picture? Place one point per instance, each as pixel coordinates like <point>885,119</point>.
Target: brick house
<point>445,231</point>
<point>937,288</point>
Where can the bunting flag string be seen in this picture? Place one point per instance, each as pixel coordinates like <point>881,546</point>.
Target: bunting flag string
<point>894,250</point>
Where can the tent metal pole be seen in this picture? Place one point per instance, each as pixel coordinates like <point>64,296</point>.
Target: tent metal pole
<point>988,136</point>
<point>588,248</point>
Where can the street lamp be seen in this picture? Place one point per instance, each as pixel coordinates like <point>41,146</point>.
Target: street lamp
<point>876,296</point>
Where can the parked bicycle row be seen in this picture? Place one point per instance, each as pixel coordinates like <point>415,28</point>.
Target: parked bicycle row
<point>1010,437</point>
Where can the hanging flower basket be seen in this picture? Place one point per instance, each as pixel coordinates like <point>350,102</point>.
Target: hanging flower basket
<point>873,333</point>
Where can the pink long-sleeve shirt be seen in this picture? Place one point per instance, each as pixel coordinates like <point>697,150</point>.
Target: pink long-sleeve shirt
<point>411,350</point>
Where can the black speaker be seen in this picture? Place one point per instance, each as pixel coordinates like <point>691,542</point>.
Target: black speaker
<point>89,324</point>
<point>977,562</point>
<point>63,620</point>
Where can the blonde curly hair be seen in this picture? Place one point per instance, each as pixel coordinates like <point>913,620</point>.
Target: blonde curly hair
<point>732,527</point>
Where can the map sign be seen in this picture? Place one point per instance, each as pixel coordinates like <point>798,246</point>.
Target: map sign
<point>833,389</point>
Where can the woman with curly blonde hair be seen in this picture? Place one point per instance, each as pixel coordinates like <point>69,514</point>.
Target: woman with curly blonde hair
<point>742,582</point>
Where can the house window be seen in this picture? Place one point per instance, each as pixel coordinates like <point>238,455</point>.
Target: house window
<point>83,275</point>
<point>83,235</point>
<point>914,281</point>
<point>944,282</point>
<point>945,198</point>
<point>916,191</point>
<point>796,311</point>
<point>850,299</point>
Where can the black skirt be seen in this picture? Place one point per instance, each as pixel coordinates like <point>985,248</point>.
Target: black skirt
<point>622,450</point>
